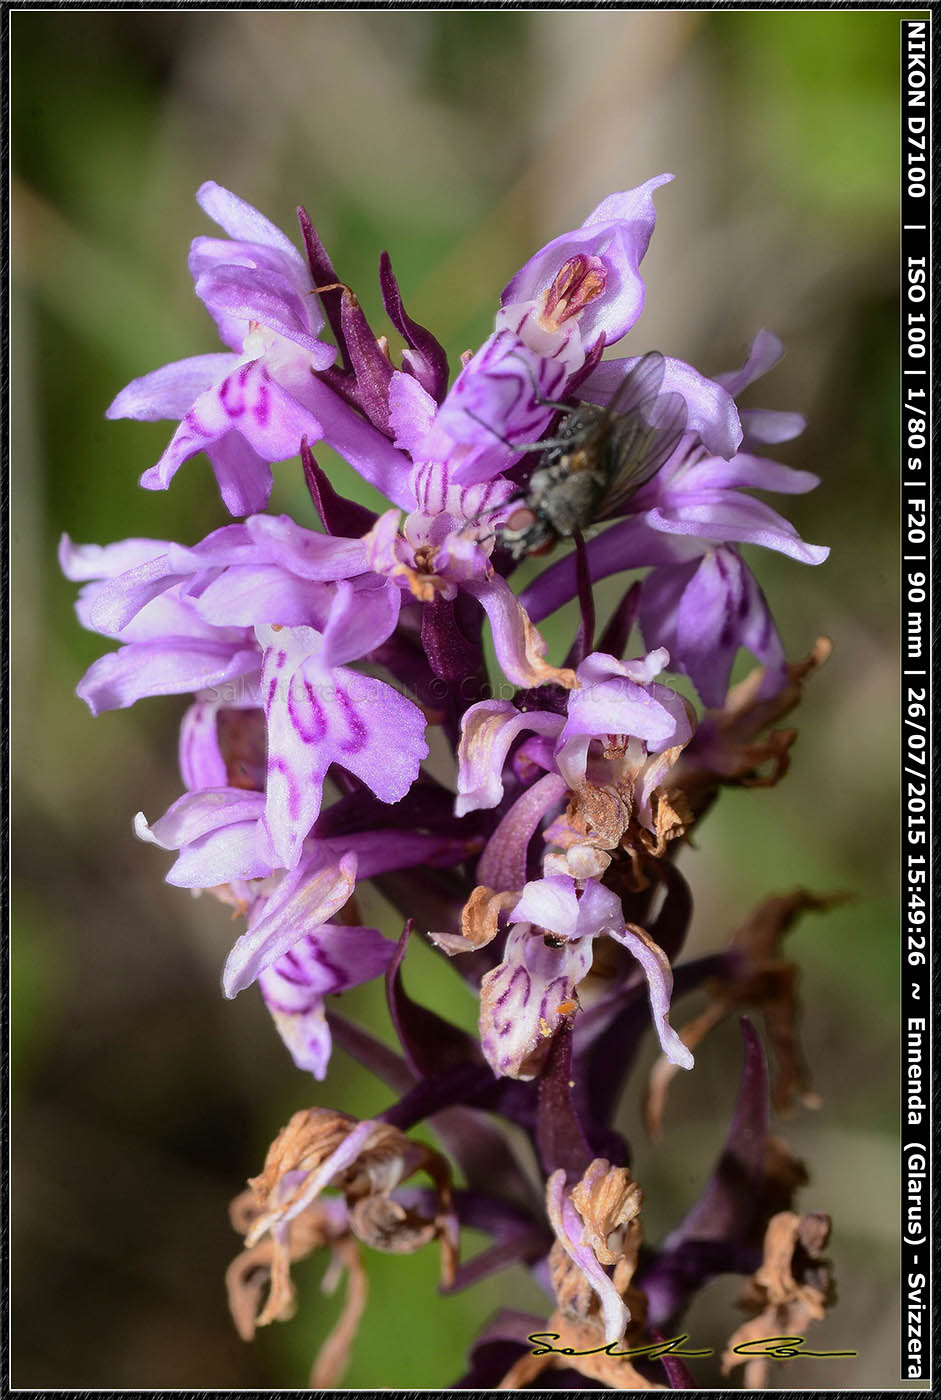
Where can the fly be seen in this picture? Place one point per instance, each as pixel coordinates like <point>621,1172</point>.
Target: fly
<point>601,456</point>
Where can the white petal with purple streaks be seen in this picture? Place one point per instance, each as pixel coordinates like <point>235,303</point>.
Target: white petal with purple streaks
<point>522,1000</point>
<point>304,900</point>
<point>571,1233</point>
<point>487,731</point>
<point>317,716</point>
<point>250,402</point>
<point>326,961</point>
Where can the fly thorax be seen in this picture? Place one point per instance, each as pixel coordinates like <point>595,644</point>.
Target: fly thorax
<point>543,480</point>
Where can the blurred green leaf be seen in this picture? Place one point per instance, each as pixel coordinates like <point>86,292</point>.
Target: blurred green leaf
<point>40,971</point>
<point>821,94</point>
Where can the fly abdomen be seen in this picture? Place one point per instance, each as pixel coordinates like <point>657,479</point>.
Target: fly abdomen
<point>570,505</point>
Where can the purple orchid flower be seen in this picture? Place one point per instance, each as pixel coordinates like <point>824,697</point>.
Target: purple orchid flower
<point>445,542</point>
<point>548,953</point>
<point>252,406</point>
<point>700,600</point>
<point>223,846</point>
<point>613,697</point>
<point>570,797</point>
<point>293,947</point>
<point>300,900</point>
<point>298,952</point>
<point>704,611</point>
<point>617,708</point>
<point>588,281</point>
<point>182,615</point>
<point>581,292</point>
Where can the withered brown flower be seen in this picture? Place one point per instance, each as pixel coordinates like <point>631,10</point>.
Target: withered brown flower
<point>792,1288</point>
<point>480,919</point>
<point>596,1224</point>
<point>267,1264</point>
<point>284,1218</point>
<point>732,746</point>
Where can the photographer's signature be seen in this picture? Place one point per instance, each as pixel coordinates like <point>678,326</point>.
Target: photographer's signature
<point>773,1348</point>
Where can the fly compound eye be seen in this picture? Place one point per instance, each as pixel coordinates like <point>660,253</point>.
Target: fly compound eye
<point>521,519</point>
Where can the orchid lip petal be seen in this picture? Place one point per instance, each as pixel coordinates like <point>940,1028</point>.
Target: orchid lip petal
<point>522,1000</point>
<point>318,715</point>
<point>308,901</point>
<point>250,403</point>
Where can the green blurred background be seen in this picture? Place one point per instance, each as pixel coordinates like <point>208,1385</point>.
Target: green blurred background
<point>460,142</point>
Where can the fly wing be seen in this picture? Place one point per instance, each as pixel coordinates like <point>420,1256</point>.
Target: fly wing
<point>639,385</point>
<point>613,420</point>
<point>641,441</point>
